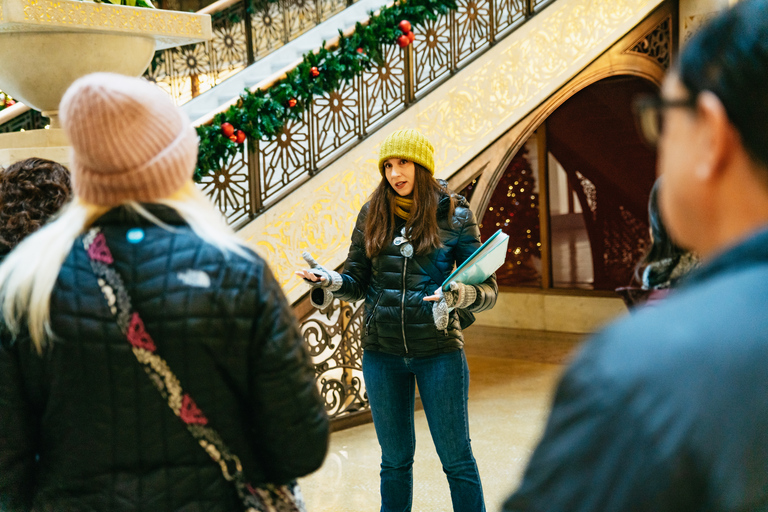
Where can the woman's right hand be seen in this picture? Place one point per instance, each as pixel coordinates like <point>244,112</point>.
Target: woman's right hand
<point>310,276</point>
<point>316,275</point>
<point>321,279</point>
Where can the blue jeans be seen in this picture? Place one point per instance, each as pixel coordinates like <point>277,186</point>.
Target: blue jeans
<point>443,387</point>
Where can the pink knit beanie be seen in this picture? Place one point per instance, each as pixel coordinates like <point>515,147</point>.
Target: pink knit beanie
<point>129,141</point>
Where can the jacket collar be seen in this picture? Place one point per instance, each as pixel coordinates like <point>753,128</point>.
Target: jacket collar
<point>124,216</point>
<point>749,252</point>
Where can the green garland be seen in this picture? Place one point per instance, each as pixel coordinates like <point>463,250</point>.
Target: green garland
<point>263,113</point>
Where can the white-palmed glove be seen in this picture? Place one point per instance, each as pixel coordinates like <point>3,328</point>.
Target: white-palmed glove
<point>322,294</point>
<point>458,296</point>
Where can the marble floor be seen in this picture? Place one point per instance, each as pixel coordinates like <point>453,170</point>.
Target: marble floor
<point>513,374</point>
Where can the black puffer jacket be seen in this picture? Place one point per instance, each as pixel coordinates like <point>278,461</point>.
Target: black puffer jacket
<point>83,429</point>
<point>397,319</point>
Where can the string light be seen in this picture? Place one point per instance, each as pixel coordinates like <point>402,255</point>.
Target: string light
<point>517,219</point>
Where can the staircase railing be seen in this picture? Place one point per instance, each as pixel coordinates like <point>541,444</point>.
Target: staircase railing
<point>263,172</point>
<point>243,32</point>
<point>20,117</point>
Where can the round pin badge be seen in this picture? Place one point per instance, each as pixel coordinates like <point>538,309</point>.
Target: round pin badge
<point>135,235</point>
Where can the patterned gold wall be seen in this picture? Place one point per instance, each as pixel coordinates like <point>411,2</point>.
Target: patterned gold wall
<point>461,118</point>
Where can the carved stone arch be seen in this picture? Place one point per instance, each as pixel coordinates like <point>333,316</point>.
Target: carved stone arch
<point>523,130</point>
<point>617,61</point>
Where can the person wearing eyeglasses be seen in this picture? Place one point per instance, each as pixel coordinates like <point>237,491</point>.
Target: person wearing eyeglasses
<point>666,409</point>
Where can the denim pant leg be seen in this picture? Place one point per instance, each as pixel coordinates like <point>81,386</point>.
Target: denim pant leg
<point>444,388</point>
<point>391,389</point>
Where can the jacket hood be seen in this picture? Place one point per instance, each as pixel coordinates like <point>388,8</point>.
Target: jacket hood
<point>447,194</point>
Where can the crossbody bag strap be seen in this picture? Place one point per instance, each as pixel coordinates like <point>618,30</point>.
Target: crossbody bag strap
<point>254,499</point>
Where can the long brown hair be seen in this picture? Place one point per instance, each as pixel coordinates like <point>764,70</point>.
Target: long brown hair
<point>421,226</point>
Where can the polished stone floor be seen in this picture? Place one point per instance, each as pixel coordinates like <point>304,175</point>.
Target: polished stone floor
<point>513,374</point>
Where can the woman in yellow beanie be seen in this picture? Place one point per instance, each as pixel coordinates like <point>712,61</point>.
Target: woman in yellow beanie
<point>405,243</point>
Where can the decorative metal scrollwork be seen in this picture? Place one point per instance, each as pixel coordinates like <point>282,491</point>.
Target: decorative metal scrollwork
<point>229,188</point>
<point>432,54</point>
<point>656,44</point>
<point>336,120</point>
<point>509,13</point>
<point>473,28</point>
<point>285,159</point>
<point>29,120</point>
<point>334,339</point>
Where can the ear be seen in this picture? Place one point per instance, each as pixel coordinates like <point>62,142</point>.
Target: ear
<point>719,137</point>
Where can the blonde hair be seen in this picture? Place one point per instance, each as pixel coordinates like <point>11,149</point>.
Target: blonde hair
<point>29,273</point>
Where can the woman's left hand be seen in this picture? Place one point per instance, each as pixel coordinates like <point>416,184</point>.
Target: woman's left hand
<point>436,297</point>
<point>458,296</point>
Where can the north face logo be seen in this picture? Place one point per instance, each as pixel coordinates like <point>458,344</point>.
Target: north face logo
<point>196,278</point>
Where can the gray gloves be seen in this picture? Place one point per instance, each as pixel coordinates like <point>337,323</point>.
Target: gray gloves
<point>322,294</point>
<point>459,296</point>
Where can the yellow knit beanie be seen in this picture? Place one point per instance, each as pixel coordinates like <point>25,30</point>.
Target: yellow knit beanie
<point>410,145</point>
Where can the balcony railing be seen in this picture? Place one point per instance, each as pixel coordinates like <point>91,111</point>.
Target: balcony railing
<point>243,32</point>
<point>20,117</point>
<point>263,172</point>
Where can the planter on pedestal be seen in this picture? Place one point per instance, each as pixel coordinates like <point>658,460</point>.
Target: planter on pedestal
<point>45,45</point>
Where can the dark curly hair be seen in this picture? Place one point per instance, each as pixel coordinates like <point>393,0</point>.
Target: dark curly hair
<point>31,191</point>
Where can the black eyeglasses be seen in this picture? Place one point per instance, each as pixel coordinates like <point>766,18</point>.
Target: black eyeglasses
<point>649,114</point>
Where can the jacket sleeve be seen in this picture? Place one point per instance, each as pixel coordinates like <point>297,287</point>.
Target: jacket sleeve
<point>357,269</point>
<point>18,446</point>
<point>469,242</point>
<point>291,425</point>
<point>598,452</point>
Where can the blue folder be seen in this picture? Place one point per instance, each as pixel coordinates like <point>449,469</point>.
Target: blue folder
<point>483,262</point>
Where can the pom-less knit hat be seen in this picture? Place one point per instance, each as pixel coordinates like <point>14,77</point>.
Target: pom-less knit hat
<point>411,145</point>
<point>129,141</point>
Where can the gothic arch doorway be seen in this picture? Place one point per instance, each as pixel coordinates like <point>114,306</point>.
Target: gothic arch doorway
<point>597,175</point>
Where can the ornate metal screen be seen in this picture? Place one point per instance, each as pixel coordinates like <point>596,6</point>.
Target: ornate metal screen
<point>335,123</point>
<point>333,337</point>
<point>29,120</point>
<point>242,34</point>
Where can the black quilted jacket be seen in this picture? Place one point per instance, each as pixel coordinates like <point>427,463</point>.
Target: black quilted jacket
<point>83,429</point>
<point>397,319</point>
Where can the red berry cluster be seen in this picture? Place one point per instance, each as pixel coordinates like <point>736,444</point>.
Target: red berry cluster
<point>407,37</point>
<point>5,101</point>
<point>236,136</point>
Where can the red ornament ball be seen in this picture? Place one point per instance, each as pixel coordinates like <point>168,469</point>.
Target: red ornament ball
<point>314,72</point>
<point>405,26</point>
<point>239,136</point>
<point>403,41</point>
<point>227,129</point>
<point>292,102</point>
<point>411,36</point>
<point>360,50</point>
